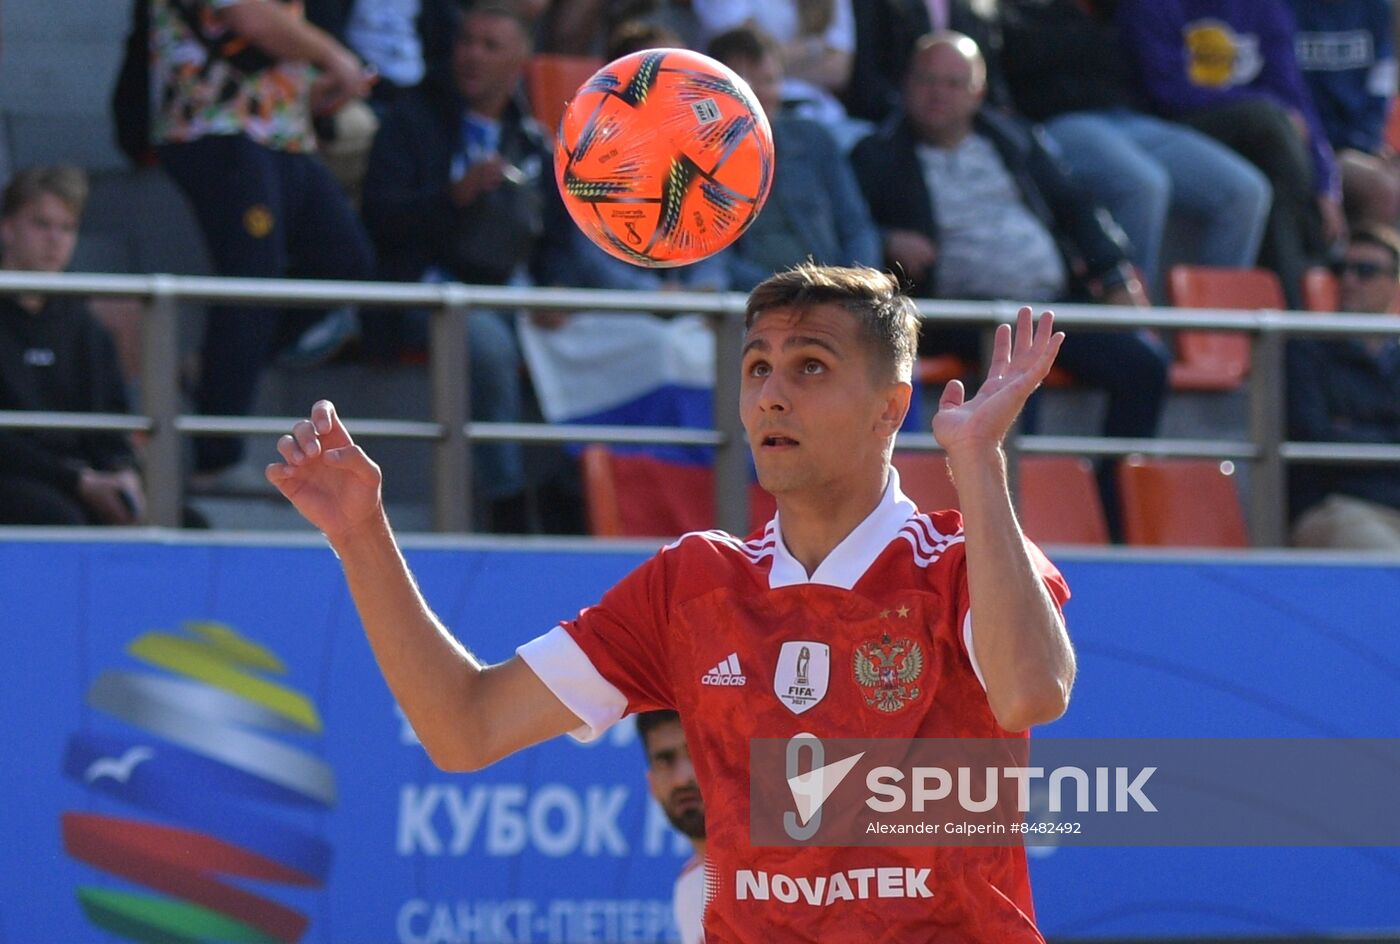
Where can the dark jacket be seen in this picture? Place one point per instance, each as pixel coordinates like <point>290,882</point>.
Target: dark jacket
<point>815,200</point>
<point>1093,245</point>
<point>1060,57</point>
<point>1338,391</point>
<point>886,31</point>
<point>64,361</point>
<point>406,201</point>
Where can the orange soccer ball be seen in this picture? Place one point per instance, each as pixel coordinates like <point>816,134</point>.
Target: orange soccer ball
<point>664,157</point>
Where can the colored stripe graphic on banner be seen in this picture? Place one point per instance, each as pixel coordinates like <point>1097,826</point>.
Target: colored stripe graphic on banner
<point>182,863</point>
<point>150,705</point>
<point>161,920</point>
<point>156,777</point>
<point>200,764</point>
<point>216,665</point>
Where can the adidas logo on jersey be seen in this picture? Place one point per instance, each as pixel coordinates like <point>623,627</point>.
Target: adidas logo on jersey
<point>726,673</point>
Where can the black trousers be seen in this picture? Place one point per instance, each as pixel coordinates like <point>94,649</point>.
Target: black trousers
<point>264,214</point>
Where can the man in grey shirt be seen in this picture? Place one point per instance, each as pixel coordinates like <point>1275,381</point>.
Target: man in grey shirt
<point>971,204</point>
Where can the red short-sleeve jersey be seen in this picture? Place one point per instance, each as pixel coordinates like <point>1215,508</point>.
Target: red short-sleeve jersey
<point>714,627</point>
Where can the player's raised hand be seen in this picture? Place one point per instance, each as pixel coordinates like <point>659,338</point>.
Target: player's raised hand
<point>1017,368</point>
<point>326,476</point>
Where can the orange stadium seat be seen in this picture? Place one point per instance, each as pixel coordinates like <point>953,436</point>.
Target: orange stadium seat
<point>1217,360</point>
<point>1059,501</point>
<point>642,496</point>
<point>923,476</point>
<point>1059,498</point>
<point>552,80</point>
<point>1180,503</point>
<point>1320,289</point>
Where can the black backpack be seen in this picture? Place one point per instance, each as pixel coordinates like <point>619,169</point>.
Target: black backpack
<point>131,95</point>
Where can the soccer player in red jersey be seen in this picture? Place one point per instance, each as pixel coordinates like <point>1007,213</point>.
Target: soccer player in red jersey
<point>848,572</point>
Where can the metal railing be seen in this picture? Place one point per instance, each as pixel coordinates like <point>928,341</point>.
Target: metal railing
<point>451,432</point>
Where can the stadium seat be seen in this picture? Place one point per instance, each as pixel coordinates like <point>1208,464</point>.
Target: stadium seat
<point>923,476</point>
<point>634,495</point>
<point>1180,503</point>
<point>1392,125</point>
<point>1059,501</point>
<point>1320,289</point>
<point>552,80</point>
<point>1217,360</point>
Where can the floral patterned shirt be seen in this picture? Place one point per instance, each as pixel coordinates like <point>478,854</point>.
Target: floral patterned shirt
<point>195,94</point>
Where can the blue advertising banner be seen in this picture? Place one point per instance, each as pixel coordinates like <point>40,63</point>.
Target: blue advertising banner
<point>199,746</point>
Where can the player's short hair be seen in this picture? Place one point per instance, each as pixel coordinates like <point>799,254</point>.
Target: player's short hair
<point>649,721</point>
<point>889,319</point>
<point>69,184</point>
<point>1383,236</point>
<point>746,44</point>
<point>631,36</point>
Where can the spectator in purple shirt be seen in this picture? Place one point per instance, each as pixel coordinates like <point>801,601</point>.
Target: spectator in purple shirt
<point>1228,68</point>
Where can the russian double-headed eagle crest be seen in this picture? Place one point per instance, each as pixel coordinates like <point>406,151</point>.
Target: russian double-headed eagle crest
<point>888,672</point>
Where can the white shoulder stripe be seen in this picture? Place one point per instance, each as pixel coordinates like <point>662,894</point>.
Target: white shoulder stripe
<point>755,551</point>
<point>926,541</point>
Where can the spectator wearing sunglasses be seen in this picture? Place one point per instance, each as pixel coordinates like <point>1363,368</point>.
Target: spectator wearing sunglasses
<point>1347,390</point>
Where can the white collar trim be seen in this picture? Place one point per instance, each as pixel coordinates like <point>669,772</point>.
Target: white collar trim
<point>850,559</point>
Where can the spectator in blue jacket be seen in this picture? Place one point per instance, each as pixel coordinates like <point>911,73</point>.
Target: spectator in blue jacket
<point>1348,390</point>
<point>459,188</point>
<point>815,210</point>
<point>1228,68</point>
<point>1347,54</point>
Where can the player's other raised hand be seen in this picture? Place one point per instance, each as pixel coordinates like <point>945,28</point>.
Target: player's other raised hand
<point>326,476</point>
<point>1012,376</point>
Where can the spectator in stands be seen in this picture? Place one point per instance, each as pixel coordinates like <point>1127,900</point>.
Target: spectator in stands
<point>55,357</point>
<point>972,205</point>
<point>1348,391</point>
<point>1347,53</point>
<point>458,187</point>
<point>886,34</point>
<point>233,94</point>
<point>816,41</point>
<point>1065,69</point>
<point>588,27</point>
<point>815,210</point>
<point>671,777</point>
<point>1227,68</point>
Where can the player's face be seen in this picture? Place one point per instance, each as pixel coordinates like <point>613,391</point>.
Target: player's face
<point>672,779</point>
<point>1366,279</point>
<point>40,236</point>
<point>817,415</point>
<point>489,57</point>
